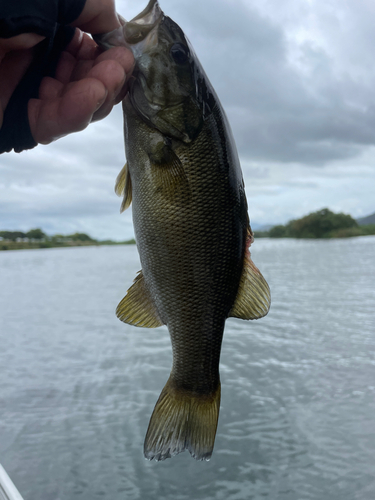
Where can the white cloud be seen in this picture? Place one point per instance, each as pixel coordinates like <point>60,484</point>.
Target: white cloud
<point>297,80</point>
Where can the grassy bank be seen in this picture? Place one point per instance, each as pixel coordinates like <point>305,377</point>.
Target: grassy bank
<point>36,238</point>
<point>367,230</point>
<point>20,245</point>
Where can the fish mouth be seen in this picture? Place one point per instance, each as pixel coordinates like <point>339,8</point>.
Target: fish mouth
<point>140,80</point>
<point>140,32</point>
<point>150,14</point>
<point>134,34</point>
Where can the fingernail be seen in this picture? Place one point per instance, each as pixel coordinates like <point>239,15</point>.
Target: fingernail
<point>101,101</point>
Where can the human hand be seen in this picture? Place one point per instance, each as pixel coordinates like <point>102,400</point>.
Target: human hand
<point>87,82</point>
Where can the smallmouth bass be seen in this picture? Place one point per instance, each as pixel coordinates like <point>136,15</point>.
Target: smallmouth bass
<point>192,229</point>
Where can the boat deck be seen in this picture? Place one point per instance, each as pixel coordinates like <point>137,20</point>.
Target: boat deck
<point>7,489</point>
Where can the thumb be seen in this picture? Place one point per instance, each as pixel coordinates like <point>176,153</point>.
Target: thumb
<point>98,16</point>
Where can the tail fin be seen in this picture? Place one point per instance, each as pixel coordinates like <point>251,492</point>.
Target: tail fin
<point>182,420</point>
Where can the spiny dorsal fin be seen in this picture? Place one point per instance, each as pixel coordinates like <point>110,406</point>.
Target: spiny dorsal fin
<point>137,307</point>
<point>123,187</point>
<point>253,297</point>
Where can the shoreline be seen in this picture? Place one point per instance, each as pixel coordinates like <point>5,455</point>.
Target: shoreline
<point>21,245</point>
<point>10,245</point>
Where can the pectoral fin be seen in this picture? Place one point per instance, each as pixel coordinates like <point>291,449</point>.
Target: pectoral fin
<point>169,176</point>
<point>137,307</point>
<point>253,297</point>
<point>123,187</point>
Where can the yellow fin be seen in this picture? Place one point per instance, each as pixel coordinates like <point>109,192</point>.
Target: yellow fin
<point>169,176</point>
<point>137,307</point>
<point>123,187</point>
<point>182,420</point>
<point>253,297</point>
<point>121,181</point>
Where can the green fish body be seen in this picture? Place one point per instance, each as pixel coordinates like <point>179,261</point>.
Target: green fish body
<point>192,229</point>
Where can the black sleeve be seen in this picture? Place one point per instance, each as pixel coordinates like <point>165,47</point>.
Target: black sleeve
<point>36,16</point>
<point>48,18</point>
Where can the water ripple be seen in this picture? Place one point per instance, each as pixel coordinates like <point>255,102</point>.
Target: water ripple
<point>78,387</point>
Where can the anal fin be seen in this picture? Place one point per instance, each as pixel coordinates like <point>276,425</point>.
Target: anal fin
<point>137,307</point>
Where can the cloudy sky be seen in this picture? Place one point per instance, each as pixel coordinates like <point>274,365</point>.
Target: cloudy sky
<point>297,79</point>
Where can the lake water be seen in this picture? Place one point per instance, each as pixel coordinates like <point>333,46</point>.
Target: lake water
<point>77,386</point>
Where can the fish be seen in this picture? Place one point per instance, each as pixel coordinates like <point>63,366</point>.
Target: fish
<point>192,229</point>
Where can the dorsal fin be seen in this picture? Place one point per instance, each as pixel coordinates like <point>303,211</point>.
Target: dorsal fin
<point>253,297</point>
<point>123,187</point>
<point>137,307</point>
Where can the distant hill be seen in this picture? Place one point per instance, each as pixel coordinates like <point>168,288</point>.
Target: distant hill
<point>370,219</point>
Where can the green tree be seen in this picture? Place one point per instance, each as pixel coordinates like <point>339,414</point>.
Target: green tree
<point>36,234</point>
<point>12,235</point>
<point>80,237</point>
<point>277,231</point>
<point>319,224</point>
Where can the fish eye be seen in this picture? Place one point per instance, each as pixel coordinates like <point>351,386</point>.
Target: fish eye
<point>179,53</point>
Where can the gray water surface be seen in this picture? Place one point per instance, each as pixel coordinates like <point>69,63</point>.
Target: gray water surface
<point>77,386</point>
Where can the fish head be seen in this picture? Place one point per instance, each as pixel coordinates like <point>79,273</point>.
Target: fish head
<point>169,89</point>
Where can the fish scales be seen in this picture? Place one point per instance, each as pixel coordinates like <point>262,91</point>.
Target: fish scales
<point>199,238</point>
<point>191,224</point>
